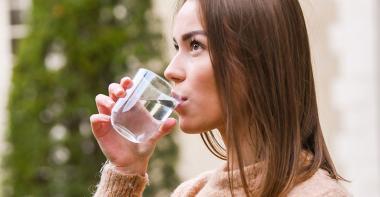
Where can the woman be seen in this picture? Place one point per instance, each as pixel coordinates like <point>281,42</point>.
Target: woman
<point>242,67</point>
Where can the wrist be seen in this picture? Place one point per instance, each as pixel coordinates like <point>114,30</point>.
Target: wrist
<point>136,168</point>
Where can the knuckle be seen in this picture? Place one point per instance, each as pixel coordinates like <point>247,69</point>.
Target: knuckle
<point>93,118</point>
<point>126,82</point>
<point>102,100</point>
<point>98,98</point>
<point>111,86</point>
<point>126,78</point>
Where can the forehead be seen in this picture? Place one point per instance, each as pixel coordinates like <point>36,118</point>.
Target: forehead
<point>187,19</point>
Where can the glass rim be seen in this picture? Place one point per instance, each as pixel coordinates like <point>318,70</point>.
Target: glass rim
<point>157,76</point>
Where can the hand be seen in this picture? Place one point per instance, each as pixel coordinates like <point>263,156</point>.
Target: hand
<point>126,156</point>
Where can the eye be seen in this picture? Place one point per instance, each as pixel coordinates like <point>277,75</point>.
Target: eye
<point>195,45</point>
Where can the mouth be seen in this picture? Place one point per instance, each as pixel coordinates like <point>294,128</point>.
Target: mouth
<point>180,99</point>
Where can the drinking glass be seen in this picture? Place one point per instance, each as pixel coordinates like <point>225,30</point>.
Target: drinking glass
<point>145,107</point>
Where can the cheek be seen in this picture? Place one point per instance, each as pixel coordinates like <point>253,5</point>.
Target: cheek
<point>204,113</point>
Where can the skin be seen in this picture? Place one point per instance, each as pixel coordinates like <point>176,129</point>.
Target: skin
<point>191,74</point>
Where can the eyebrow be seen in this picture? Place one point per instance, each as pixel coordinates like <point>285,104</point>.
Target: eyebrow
<point>190,34</point>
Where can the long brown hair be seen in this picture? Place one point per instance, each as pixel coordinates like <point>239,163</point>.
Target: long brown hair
<point>260,54</point>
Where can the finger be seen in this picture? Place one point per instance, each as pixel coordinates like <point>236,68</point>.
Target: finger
<point>126,83</point>
<point>165,129</point>
<point>100,124</point>
<point>110,142</point>
<point>115,91</point>
<point>104,104</point>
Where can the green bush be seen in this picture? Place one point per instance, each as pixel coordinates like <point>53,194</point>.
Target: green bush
<point>73,50</point>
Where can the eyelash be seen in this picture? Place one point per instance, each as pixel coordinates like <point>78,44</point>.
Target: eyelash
<point>176,46</point>
<point>192,43</point>
<point>195,42</point>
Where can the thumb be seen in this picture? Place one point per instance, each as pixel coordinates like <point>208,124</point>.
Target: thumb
<point>165,129</point>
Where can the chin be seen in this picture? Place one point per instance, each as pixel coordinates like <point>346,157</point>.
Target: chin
<point>190,127</point>
<point>190,130</point>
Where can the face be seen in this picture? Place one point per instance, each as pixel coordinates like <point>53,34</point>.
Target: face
<point>192,74</point>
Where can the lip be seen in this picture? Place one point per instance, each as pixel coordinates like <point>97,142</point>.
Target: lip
<point>180,99</point>
<point>180,105</point>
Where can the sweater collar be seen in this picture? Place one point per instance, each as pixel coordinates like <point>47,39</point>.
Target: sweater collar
<point>219,179</point>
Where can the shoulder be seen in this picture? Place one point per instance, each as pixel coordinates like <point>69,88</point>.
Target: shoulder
<point>320,184</point>
<point>193,185</point>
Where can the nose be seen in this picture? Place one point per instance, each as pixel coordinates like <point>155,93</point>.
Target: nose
<point>175,71</point>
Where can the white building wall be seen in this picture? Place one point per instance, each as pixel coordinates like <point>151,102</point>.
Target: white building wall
<point>5,69</point>
<point>345,43</point>
<point>355,39</point>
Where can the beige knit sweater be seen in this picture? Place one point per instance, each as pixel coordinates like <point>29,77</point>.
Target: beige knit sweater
<point>213,183</point>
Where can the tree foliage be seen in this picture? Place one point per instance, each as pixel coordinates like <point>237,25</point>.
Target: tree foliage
<point>73,50</point>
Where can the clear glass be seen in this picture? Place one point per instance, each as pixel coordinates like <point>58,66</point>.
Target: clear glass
<point>145,107</point>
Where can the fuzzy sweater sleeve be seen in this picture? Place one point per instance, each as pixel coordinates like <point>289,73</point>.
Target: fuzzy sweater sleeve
<point>113,183</point>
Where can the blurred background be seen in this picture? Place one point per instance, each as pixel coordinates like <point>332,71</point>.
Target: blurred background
<point>55,56</point>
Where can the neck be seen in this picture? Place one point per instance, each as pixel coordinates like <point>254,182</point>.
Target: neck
<point>244,146</point>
